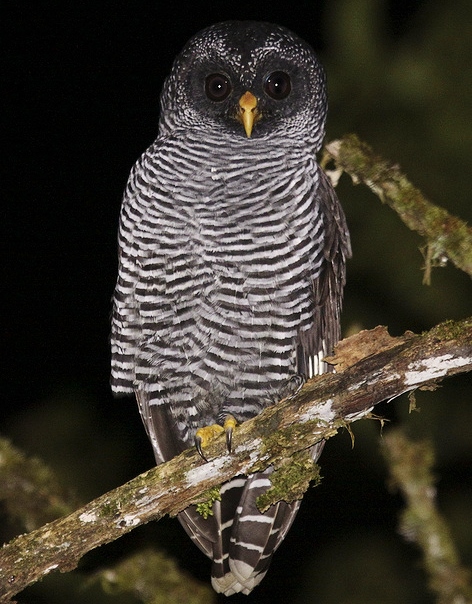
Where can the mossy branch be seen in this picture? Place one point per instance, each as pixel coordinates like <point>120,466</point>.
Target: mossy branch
<point>410,464</point>
<point>447,237</point>
<point>371,367</point>
<point>154,578</point>
<point>29,490</point>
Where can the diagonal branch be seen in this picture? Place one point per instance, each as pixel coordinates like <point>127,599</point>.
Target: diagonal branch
<point>447,237</point>
<point>371,367</point>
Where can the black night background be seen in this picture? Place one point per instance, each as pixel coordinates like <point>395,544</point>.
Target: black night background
<point>81,84</point>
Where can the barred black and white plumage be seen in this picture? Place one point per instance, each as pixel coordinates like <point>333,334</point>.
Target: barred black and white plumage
<point>232,249</point>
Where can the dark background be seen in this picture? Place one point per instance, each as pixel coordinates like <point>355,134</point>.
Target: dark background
<point>81,82</point>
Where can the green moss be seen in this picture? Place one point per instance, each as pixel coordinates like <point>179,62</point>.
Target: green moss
<point>291,480</point>
<point>109,510</point>
<point>450,330</point>
<point>205,508</point>
<point>284,439</point>
<point>280,438</point>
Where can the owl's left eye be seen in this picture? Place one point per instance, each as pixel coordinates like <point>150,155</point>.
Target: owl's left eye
<point>278,85</point>
<point>217,87</point>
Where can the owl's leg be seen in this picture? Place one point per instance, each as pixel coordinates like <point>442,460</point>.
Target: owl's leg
<point>204,435</point>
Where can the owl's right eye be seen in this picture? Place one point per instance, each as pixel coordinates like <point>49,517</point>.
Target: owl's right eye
<point>217,87</point>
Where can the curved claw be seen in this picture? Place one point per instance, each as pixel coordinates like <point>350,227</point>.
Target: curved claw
<point>229,438</point>
<point>229,425</point>
<point>206,434</point>
<point>198,446</point>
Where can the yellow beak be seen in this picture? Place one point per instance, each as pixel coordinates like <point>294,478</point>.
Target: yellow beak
<point>248,113</point>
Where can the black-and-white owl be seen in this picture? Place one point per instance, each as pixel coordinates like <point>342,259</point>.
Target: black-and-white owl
<point>232,250</point>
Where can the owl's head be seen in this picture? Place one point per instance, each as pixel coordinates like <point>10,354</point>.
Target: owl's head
<point>246,79</point>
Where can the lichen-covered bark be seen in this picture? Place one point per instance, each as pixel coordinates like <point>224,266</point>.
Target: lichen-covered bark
<point>324,404</point>
<point>447,237</point>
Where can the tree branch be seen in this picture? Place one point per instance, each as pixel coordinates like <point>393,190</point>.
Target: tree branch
<point>153,577</point>
<point>21,476</point>
<point>410,465</point>
<point>447,237</point>
<point>371,367</point>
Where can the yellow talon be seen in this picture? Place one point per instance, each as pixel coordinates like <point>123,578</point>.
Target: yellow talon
<point>205,435</point>
<point>230,423</point>
<point>208,433</point>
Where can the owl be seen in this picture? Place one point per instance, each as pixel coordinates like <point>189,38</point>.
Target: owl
<point>232,253</point>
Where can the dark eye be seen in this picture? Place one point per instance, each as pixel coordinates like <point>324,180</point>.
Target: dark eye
<point>217,87</point>
<point>278,85</point>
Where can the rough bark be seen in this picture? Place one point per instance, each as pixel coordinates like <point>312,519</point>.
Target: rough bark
<point>371,367</point>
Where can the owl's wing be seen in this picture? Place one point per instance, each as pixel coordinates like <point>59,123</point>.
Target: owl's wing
<point>125,323</point>
<point>319,341</point>
<point>138,243</point>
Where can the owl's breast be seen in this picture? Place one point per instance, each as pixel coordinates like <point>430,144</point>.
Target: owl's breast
<point>242,219</point>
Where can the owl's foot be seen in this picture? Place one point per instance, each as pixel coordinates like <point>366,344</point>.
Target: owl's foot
<point>291,387</point>
<point>206,434</point>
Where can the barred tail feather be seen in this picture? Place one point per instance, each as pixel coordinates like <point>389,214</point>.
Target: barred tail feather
<point>238,537</point>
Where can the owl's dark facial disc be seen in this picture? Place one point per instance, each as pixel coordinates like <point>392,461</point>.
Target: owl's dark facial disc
<point>221,64</point>
<point>250,98</point>
<point>218,87</point>
<point>277,86</point>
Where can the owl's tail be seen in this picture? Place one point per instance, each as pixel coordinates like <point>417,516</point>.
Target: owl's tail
<point>238,537</point>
